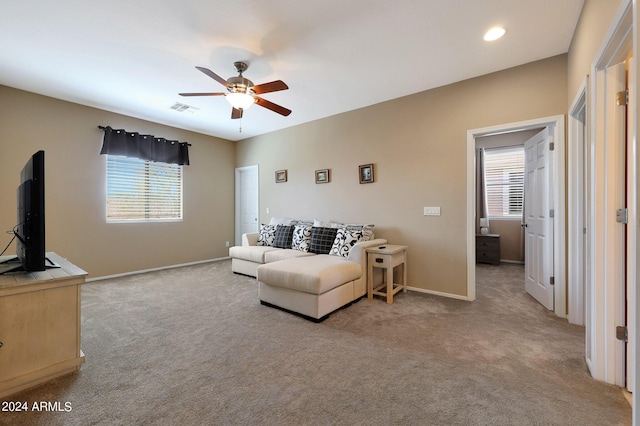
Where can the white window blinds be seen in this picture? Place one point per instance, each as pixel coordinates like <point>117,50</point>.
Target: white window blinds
<point>504,181</point>
<point>141,190</point>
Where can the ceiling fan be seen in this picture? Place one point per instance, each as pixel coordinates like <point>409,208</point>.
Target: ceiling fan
<point>241,93</point>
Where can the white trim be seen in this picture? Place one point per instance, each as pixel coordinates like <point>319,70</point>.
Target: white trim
<point>557,131</point>
<point>575,185</point>
<point>635,316</point>
<point>471,215</point>
<point>606,299</point>
<point>632,231</point>
<point>514,262</point>
<point>438,293</point>
<point>160,268</point>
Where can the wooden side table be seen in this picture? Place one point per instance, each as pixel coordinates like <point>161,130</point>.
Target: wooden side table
<point>386,257</point>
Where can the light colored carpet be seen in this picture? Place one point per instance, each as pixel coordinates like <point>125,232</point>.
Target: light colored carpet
<point>194,346</point>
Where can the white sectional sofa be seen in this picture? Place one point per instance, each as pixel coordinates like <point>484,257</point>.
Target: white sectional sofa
<point>246,258</point>
<point>302,274</point>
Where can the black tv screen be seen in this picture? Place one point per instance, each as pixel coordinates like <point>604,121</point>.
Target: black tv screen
<point>30,244</point>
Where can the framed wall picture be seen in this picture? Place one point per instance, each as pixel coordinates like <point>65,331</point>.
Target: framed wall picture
<point>366,173</point>
<point>322,176</point>
<point>281,176</point>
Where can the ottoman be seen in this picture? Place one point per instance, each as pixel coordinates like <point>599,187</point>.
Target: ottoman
<point>312,287</point>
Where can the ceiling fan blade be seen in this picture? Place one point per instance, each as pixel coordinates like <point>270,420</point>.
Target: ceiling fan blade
<point>236,113</point>
<point>214,76</point>
<point>203,94</point>
<point>273,107</point>
<point>273,86</point>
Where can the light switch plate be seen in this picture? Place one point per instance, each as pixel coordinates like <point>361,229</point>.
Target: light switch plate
<point>432,211</point>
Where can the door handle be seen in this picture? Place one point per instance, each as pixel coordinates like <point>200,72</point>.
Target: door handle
<point>524,225</point>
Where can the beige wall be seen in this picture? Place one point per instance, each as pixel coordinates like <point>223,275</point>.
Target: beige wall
<point>511,239</point>
<point>418,146</point>
<point>594,23</point>
<point>75,188</point>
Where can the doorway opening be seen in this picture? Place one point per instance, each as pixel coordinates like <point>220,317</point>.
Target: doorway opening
<point>500,193</point>
<point>612,230</point>
<point>247,201</point>
<point>578,198</point>
<point>555,124</point>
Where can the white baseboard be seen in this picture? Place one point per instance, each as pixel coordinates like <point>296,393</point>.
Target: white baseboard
<point>517,262</point>
<point>161,268</point>
<point>439,293</point>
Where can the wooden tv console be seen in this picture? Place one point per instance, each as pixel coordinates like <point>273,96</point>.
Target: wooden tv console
<point>39,325</point>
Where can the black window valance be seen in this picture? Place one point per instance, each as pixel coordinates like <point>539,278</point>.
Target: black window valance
<point>145,147</point>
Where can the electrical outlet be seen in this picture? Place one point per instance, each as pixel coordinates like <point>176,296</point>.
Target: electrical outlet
<point>227,244</point>
<point>267,210</point>
<point>432,211</point>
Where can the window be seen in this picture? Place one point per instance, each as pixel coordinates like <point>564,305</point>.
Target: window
<point>504,181</point>
<point>143,191</point>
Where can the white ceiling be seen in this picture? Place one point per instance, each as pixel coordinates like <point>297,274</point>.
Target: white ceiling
<point>134,57</point>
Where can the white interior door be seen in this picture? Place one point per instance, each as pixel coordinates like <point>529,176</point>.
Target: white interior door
<point>615,239</point>
<point>538,220</point>
<point>632,244</point>
<point>608,240</point>
<point>247,196</point>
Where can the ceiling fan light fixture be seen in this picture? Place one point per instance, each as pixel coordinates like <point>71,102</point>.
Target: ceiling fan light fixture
<point>240,100</point>
<point>242,93</point>
<point>494,34</point>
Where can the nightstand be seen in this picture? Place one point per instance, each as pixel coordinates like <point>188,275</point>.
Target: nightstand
<point>488,248</point>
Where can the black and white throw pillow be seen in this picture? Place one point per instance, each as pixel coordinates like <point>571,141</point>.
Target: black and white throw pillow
<point>345,240</point>
<point>283,236</point>
<point>366,229</point>
<point>322,240</point>
<point>267,235</point>
<point>301,237</point>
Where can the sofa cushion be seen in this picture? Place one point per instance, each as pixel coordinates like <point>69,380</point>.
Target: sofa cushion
<point>301,237</point>
<point>283,236</point>
<point>310,274</point>
<point>251,253</point>
<point>267,235</point>
<point>276,255</point>
<point>322,240</point>
<point>345,240</point>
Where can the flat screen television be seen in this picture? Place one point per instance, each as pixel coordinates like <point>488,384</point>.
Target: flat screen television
<point>30,245</point>
<point>30,231</point>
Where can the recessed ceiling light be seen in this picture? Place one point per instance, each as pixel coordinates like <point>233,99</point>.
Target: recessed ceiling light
<point>494,33</point>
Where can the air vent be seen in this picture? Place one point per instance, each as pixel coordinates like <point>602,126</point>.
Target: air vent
<point>184,107</point>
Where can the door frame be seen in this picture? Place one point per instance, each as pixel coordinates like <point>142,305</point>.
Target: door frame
<point>557,176</point>
<point>238,199</point>
<point>607,355</point>
<point>578,160</point>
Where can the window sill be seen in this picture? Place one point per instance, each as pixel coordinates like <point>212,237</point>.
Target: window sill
<point>505,219</point>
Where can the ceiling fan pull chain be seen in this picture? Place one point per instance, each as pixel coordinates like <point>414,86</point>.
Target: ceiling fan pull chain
<point>240,125</point>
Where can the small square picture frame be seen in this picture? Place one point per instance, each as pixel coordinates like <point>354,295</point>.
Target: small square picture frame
<point>365,172</point>
<point>281,176</point>
<point>322,176</point>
